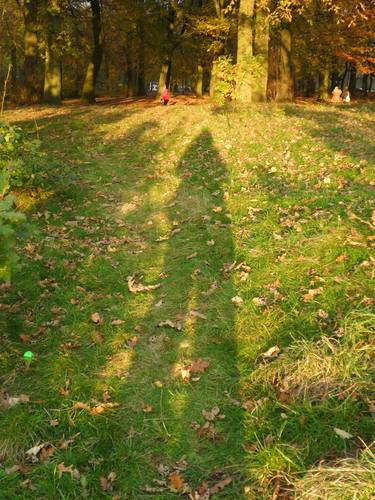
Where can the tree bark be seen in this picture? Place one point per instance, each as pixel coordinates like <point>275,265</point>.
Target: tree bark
<point>245,48</point>
<point>89,86</point>
<point>353,79</point>
<point>260,48</point>
<point>31,88</point>
<point>280,86</point>
<point>165,74</point>
<point>324,82</point>
<point>52,73</point>
<point>199,81</point>
<point>365,83</point>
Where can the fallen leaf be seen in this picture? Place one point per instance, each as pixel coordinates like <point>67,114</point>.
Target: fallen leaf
<point>176,482</point>
<point>342,434</point>
<point>199,366</point>
<point>312,293</point>
<point>25,338</point>
<point>220,485</point>
<point>97,319</point>
<point>211,415</point>
<point>138,287</point>
<point>96,337</point>
<point>147,408</point>
<point>176,325</point>
<point>102,407</point>
<point>106,483</point>
<point>117,322</point>
<point>54,423</point>
<point>197,314</point>
<point>259,301</point>
<point>10,401</point>
<point>237,301</point>
<point>210,243</point>
<point>80,406</point>
<point>132,342</point>
<point>189,257</point>
<point>272,352</point>
<point>62,469</point>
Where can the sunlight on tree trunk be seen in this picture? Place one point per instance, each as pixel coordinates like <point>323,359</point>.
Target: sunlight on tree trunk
<point>165,75</point>
<point>261,39</point>
<point>199,81</point>
<point>325,79</point>
<point>245,47</point>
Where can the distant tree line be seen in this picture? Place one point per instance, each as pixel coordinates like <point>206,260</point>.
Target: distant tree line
<point>273,49</point>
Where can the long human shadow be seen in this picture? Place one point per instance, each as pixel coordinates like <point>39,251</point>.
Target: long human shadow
<point>195,294</point>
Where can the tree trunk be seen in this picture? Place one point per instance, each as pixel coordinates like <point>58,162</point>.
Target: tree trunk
<point>199,81</point>
<point>353,79</point>
<point>52,73</point>
<point>31,89</point>
<point>260,48</point>
<point>324,82</point>
<point>344,75</point>
<point>280,85</point>
<point>364,83</point>
<point>165,75</point>
<point>88,92</point>
<point>14,74</point>
<point>245,48</point>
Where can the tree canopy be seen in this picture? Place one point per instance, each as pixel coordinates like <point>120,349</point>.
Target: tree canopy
<point>267,49</point>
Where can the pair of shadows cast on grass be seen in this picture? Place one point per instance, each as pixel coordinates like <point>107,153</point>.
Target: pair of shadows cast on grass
<point>192,262</point>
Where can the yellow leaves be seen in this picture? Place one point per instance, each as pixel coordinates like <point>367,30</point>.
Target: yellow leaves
<point>95,410</point>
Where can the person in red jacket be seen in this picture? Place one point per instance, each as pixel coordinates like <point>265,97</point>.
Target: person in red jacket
<point>165,96</point>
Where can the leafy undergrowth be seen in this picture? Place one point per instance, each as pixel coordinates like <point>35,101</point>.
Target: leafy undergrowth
<point>196,287</point>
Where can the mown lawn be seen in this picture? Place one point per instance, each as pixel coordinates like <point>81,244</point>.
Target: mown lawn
<point>258,225</point>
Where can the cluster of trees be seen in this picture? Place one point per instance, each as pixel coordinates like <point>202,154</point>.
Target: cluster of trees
<point>271,48</point>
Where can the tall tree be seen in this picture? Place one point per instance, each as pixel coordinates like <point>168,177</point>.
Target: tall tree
<point>89,86</point>
<point>52,72</point>
<point>245,48</point>
<point>31,84</point>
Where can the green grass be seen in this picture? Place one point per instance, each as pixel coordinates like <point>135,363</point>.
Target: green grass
<point>274,187</point>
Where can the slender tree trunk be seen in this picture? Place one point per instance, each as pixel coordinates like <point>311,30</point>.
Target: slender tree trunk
<point>199,81</point>
<point>31,89</point>
<point>52,72</point>
<point>353,79</point>
<point>324,81</point>
<point>245,48</point>
<point>345,75</point>
<point>260,48</point>
<point>14,74</point>
<point>364,83</point>
<point>280,86</point>
<point>88,92</point>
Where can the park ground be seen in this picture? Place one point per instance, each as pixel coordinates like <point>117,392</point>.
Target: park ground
<point>196,284</point>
